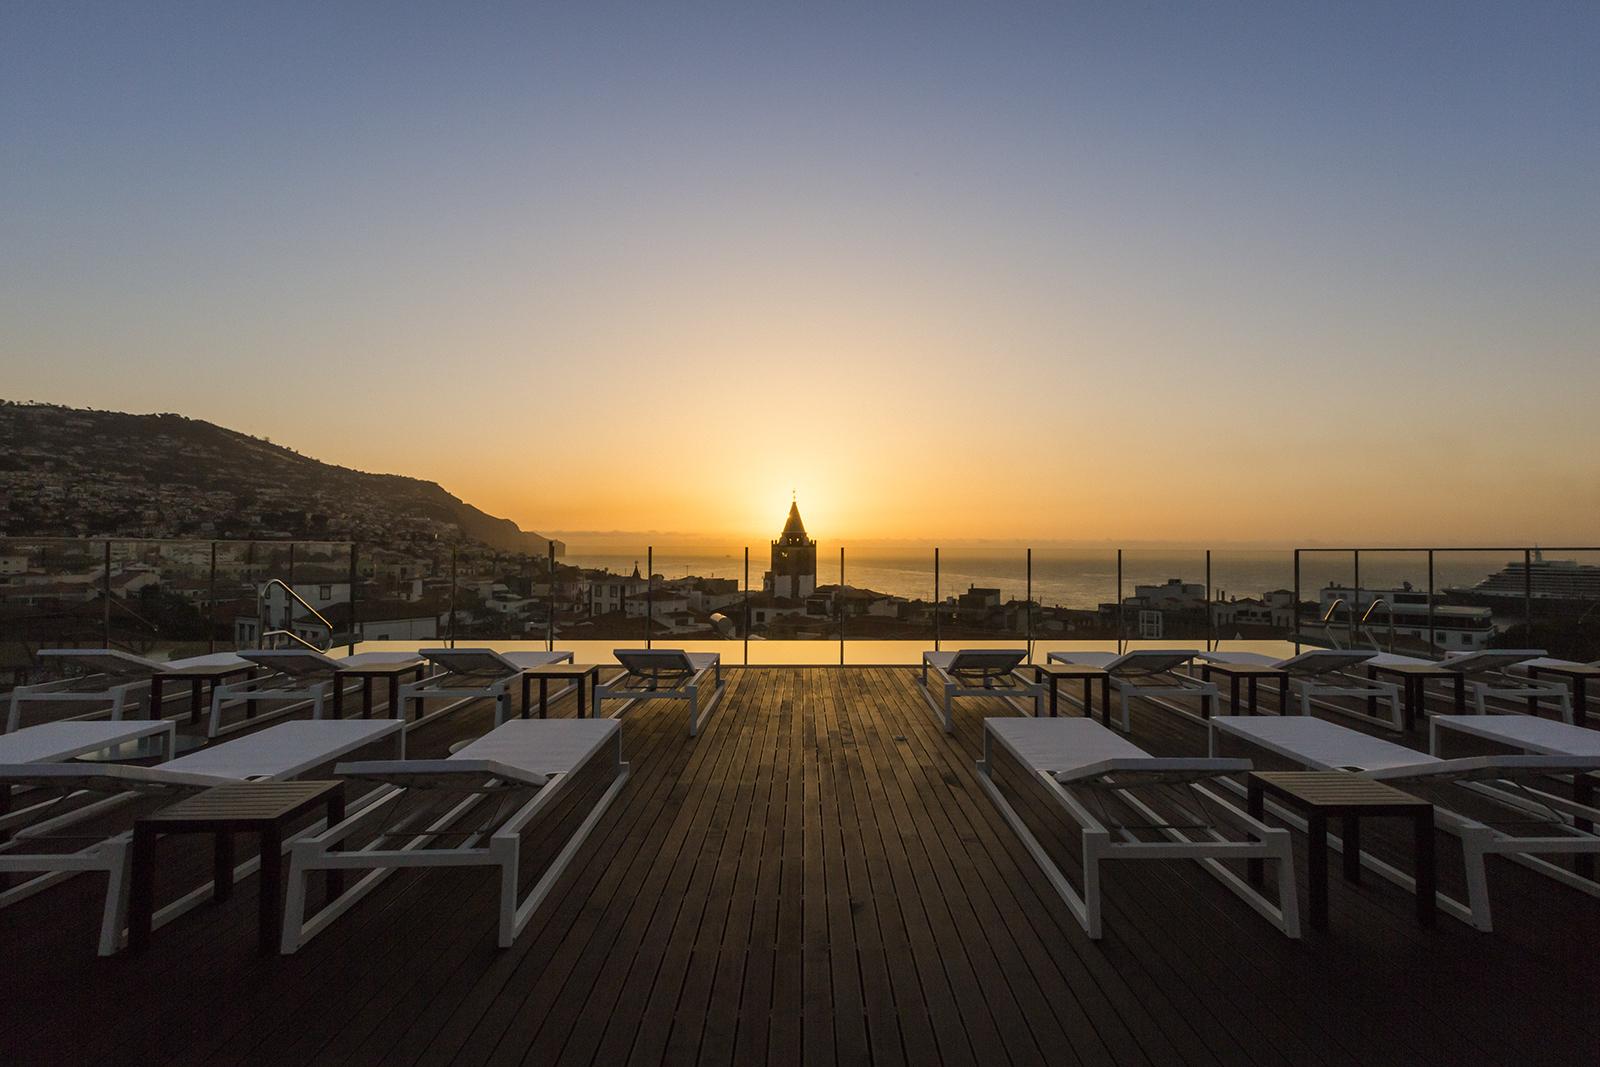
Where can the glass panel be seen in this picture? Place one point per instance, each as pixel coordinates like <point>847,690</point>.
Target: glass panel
<point>1164,597</point>
<point>1253,605</point>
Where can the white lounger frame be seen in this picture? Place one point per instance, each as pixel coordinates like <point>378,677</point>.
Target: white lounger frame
<point>113,855</point>
<point>1478,840</point>
<point>1128,690</point>
<point>955,686</point>
<point>680,665</point>
<point>1102,843</point>
<point>502,850</point>
<point>452,686</point>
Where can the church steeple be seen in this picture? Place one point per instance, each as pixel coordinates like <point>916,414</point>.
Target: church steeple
<point>794,531</point>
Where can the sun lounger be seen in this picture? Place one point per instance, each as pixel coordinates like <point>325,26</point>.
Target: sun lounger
<point>298,675</point>
<point>54,742</point>
<point>1320,673</point>
<point>666,674</point>
<point>1087,769</point>
<point>980,672</point>
<point>1319,745</point>
<point>280,752</point>
<point>1158,670</point>
<point>110,676</point>
<point>533,759</point>
<point>471,674</point>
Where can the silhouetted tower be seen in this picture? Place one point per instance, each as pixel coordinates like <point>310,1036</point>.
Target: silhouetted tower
<point>794,560</point>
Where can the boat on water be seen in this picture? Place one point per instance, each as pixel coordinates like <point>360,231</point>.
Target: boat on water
<point>1546,579</point>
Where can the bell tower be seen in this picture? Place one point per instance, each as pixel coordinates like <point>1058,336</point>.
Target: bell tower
<point>794,560</point>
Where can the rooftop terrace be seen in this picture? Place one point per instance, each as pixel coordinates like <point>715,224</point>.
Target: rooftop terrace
<point>817,878</point>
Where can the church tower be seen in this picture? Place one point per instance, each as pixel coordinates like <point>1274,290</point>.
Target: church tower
<point>794,560</point>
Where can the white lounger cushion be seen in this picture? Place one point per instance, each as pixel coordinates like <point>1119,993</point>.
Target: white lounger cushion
<point>1320,743</point>
<point>286,749</point>
<point>55,741</point>
<point>543,746</point>
<point>1307,664</point>
<point>488,661</point>
<point>111,662</point>
<point>1326,746</point>
<point>976,659</point>
<point>1076,750</point>
<point>1526,731</point>
<point>1139,661</point>
<point>104,778</point>
<point>295,661</point>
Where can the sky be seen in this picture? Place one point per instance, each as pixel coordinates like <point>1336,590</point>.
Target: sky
<point>1192,273</point>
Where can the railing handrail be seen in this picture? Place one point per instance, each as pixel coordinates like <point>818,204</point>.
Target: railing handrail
<point>291,635</point>
<point>298,599</point>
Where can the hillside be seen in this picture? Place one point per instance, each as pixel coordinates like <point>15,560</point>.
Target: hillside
<point>75,472</point>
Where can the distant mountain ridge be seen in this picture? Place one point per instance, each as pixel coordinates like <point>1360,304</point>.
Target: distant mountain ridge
<point>79,472</point>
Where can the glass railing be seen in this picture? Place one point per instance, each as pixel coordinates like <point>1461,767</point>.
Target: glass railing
<point>862,604</point>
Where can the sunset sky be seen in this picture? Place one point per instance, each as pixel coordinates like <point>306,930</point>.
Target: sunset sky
<point>1185,272</point>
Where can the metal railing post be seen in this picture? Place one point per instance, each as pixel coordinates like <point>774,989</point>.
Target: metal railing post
<point>937,605</point>
<point>211,603</point>
<point>746,627</point>
<point>550,620</point>
<point>1211,611</point>
<point>649,593</point>
<point>1527,596</point>
<point>1355,600</point>
<point>1295,607</point>
<point>1028,603</point>
<point>105,587</point>
<point>1121,626</point>
<point>1433,649</point>
<point>355,598</point>
<point>841,605</point>
<point>453,556</point>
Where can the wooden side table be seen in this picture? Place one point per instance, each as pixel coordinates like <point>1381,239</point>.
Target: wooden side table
<point>1576,673</point>
<point>1250,673</point>
<point>367,672</point>
<point>1083,672</point>
<point>1413,678</point>
<point>263,808</point>
<point>575,672</point>
<point>1349,797</point>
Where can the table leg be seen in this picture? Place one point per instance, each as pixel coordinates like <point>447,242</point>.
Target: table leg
<point>1055,695</point>
<point>1088,698</point>
<point>1352,849</point>
<point>1426,873</point>
<point>196,691</point>
<point>544,696</point>
<point>155,696</point>
<point>1233,694</point>
<point>1580,701</point>
<point>1253,701</point>
<point>1283,695</point>
<point>526,682</point>
<point>1408,718</point>
<point>142,891</point>
<point>1256,805</point>
<point>222,865</point>
<point>1317,831</point>
<point>335,884</point>
<point>269,910</point>
<point>1105,700</point>
<point>583,712</point>
<point>366,696</point>
<point>338,695</point>
<point>1461,693</point>
<point>394,693</point>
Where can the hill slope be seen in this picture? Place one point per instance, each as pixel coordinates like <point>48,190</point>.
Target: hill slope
<point>75,472</point>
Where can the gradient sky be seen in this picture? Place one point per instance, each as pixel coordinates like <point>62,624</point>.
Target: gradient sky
<point>1191,272</point>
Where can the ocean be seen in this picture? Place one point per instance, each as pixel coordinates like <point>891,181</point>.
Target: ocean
<point>1068,577</point>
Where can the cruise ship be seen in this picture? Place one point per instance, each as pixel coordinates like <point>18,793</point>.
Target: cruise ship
<point>1548,579</point>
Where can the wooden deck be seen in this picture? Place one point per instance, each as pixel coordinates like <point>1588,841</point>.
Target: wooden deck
<point>818,878</point>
